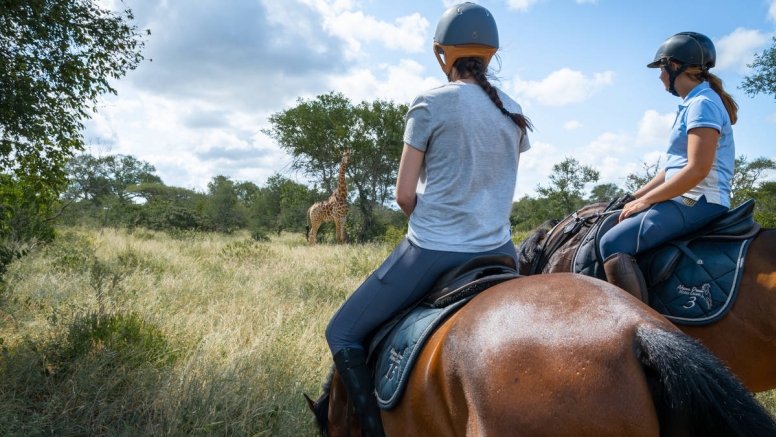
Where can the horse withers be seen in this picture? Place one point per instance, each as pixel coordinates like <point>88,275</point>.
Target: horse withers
<point>559,354</point>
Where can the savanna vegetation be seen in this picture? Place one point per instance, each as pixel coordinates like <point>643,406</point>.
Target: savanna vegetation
<point>132,307</point>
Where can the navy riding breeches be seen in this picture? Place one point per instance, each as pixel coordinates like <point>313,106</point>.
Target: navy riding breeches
<point>657,224</point>
<point>403,279</point>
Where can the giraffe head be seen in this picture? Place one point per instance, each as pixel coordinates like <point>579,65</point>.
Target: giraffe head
<point>346,156</point>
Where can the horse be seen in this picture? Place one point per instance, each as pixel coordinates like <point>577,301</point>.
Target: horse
<point>562,354</point>
<point>744,339</point>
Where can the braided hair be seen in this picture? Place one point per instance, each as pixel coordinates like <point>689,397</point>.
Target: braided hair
<point>476,68</point>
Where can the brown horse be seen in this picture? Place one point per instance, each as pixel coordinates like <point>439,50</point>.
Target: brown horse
<point>744,339</point>
<point>561,354</point>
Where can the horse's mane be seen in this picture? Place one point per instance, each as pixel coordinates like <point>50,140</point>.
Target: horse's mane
<point>321,406</point>
<point>526,251</point>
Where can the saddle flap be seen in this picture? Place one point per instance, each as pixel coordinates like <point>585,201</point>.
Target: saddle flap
<point>657,265</point>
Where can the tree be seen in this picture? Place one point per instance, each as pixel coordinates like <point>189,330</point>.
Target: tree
<point>222,207</point>
<point>634,181</point>
<point>763,78</point>
<point>746,176</point>
<point>56,60</point>
<point>605,192</point>
<point>99,178</point>
<point>567,181</point>
<point>316,132</point>
<point>765,207</point>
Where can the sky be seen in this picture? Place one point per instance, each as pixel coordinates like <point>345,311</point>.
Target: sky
<point>215,70</point>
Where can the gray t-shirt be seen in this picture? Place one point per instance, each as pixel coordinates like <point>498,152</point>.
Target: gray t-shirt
<point>469,172</point>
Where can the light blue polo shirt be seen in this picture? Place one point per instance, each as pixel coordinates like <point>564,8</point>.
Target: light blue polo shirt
<point>704,108</point>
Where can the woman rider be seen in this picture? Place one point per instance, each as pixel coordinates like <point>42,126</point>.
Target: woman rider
<point>462,142</point>
<point>694,187</point>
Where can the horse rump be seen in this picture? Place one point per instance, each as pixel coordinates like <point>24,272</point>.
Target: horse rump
<point>692,388</point>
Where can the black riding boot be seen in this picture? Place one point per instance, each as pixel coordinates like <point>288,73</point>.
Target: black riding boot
<point>356,376</point>
<point>621,270</point>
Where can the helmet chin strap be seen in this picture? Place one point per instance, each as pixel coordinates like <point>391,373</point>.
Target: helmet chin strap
<point>672,75</point>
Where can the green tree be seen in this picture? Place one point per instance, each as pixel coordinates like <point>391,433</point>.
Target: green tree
<point>528,213</point>
<point>746,176</point>
<point>634,181</point>
<point>567,181</point>
<point>222,207</point>
<point>56,60</point>
<point>112,176</point>
<point>763,77</point>
<point>765,206</point>
<point>316,132</point>
<point>605,193</point>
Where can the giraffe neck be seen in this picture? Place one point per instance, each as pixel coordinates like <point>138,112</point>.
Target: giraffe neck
<point>342,189</point>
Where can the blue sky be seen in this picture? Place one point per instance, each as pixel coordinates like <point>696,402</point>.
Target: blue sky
<point>578,67</point>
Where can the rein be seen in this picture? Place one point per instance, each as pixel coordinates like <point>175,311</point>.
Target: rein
<point>544,251</point>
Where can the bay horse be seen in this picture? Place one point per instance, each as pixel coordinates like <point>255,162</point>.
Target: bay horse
<point>561,354</point>
<point>744,339</point>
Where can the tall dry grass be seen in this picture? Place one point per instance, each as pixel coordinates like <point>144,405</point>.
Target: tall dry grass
<point>143,333</point>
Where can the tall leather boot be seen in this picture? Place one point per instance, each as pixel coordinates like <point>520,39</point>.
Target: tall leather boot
<point>356,376</point>
<point>622,271</point>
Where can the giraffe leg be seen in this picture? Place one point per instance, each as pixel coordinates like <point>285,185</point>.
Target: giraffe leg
<point>313,232</point>
<point>343,221</point>
<point>337,230</point>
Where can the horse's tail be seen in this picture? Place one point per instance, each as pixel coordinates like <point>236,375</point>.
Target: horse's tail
<point>693,387</point>
<point>307,227</point>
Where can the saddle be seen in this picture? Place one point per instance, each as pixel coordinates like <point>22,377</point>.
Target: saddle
<point>705,264</point>
<point>397,344</point>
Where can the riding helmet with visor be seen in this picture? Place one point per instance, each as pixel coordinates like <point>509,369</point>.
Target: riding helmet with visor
<point>465,30</point>
<point>688,49</point>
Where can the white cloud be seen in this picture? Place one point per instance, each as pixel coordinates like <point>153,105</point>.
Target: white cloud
<point>571,125</point>
<point>406,33</point>
<point>521,5</point>
<point>534,168</point>
<point>401,83</point>
<point>587,1</point>
<point>736,50</point>
<point>654,128</point>
<point>563,87</point>
<point>772,11</point>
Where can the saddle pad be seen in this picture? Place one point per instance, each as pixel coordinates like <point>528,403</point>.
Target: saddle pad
<point>400,348</point>
<point>703,285</point>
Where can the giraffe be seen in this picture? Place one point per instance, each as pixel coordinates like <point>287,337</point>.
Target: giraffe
<point>334,209</point>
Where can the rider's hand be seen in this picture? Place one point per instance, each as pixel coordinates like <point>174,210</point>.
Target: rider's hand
<point>633,208</point>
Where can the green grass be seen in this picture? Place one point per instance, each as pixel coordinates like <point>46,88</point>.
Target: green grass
<point>117,333</point>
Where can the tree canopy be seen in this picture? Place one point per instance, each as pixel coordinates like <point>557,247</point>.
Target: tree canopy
<point>57,58</point>
<point>763,77</point>
<point>316,132</point>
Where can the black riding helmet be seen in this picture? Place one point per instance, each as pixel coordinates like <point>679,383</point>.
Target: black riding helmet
<point>465,30</point>
<point>690,49</point>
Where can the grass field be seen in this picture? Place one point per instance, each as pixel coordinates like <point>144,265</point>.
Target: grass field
<point>142,333</point>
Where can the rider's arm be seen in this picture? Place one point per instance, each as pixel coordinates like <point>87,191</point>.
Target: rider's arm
<point>651,185</point>
<point>701,151</point>
<point>407,180</point>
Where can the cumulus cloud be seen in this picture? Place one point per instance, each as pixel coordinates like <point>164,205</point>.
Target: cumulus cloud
<point>563,87</point>
<point>654,128</point>
<point>406,33</point>
<point>736,50</point>
<point>400,83</point>
<point>521,5</point>
<point>572,125</point>
<point>772,11</point>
